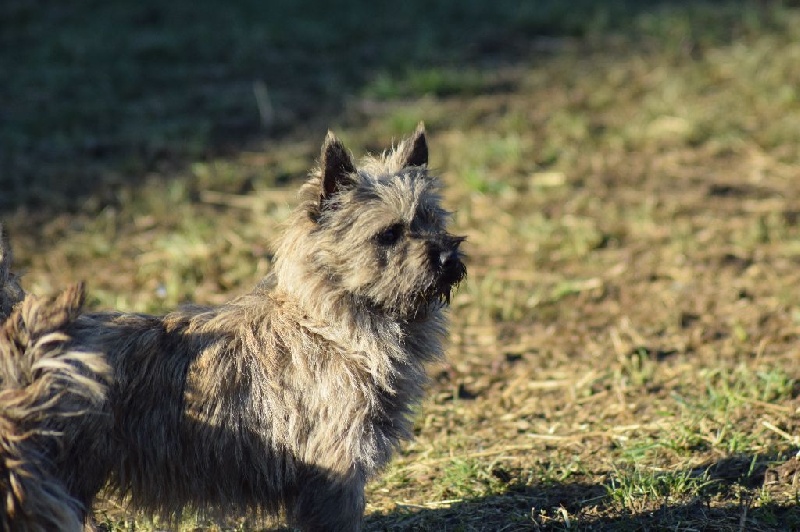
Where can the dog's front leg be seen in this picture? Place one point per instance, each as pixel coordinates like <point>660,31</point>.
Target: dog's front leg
<point>330,504</point>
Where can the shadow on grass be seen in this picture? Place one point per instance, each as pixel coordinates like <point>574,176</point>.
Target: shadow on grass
<point>97,95</point>
<point>735,496</point>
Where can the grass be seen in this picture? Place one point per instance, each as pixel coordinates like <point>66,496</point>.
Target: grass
<point>635,490</point>
<point>623,354</point>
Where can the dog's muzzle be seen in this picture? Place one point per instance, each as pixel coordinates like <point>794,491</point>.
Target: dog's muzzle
<point>450,268</point>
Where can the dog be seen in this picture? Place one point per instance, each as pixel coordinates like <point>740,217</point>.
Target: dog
<point>287,400</point>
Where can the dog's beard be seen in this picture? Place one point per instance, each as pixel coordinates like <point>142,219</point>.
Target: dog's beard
<point>433,295</point>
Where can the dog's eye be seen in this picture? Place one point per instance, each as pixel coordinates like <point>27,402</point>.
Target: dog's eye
<point>390,235</point>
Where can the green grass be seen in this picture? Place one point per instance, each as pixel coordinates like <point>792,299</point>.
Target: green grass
<point>417,83</point>
<point>634,490</point>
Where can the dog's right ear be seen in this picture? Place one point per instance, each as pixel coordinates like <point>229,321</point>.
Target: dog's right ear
<point>414,150</point>
<point>336,166</point>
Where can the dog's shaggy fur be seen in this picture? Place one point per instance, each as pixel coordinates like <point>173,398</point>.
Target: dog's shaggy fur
<point>45,390</point>
<point>10,291</point>
<point>290,398</point>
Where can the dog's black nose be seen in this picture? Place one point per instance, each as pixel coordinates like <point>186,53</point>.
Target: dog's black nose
<point>447,260</point>
<point>447,257</point>
<point>444,253</point>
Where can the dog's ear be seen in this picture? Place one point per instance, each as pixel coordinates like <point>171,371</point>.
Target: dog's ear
<point>414,150</point>
<point>336,166</point>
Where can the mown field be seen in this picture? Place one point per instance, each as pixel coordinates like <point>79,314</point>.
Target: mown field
<point>625,353</point>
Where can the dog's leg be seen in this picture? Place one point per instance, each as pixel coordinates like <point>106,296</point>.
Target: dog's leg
<point>330,505</point>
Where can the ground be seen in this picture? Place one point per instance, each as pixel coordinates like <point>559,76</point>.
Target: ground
<point>624,352</point>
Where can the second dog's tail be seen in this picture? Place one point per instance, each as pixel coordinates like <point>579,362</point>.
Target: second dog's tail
<point>10,290</point>
<point>44,386</point>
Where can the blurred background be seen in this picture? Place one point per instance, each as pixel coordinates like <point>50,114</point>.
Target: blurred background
<point>100,94</point>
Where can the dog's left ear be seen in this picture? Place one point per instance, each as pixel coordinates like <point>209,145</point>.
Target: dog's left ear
<point>336,166</point>
<point>414,150</point>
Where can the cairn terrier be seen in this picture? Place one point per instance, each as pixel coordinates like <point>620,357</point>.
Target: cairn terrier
<point>287,400</point>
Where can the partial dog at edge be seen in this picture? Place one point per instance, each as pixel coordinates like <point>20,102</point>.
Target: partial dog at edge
<point>284,401</point>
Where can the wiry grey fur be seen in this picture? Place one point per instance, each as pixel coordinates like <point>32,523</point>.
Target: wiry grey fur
<point>290,398</point>
<point>10,291</point>
<point>45,389</point>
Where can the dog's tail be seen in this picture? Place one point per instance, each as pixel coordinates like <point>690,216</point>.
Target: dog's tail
<point>10,290</point>
<point>44,386</point>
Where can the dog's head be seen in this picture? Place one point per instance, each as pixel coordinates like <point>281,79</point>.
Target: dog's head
<point>378,231</point>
